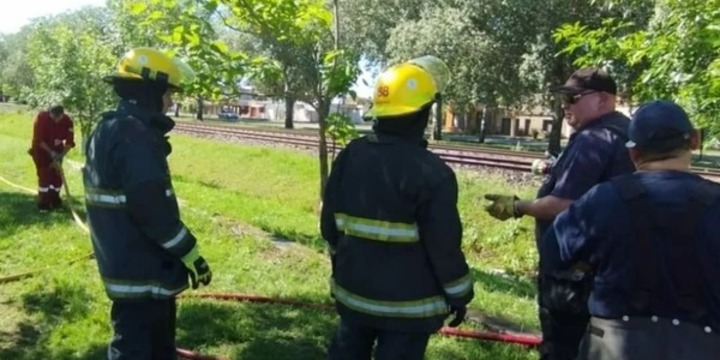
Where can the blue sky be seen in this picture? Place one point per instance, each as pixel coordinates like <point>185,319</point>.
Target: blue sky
<point>12,18</point>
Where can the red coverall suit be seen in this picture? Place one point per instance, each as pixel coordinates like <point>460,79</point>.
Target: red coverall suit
<point>58,136</point>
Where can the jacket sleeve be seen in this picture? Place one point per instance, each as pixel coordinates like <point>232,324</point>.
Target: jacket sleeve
<point>328,227</point>
<point>150,200</point>
<point>39,130</point>
<point>441,234</point>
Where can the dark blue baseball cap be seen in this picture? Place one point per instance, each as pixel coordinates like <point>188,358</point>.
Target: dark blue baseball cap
<point>658,123</point>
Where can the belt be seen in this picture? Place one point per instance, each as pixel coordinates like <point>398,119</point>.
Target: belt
<point>656,319</point>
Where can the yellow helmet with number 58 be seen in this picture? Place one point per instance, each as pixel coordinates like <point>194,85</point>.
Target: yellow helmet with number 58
<point>406,88</point>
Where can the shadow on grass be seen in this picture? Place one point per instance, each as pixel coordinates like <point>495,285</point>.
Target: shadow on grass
<point>280,238</point>
<point>18,211</point>
<point>254,331</point>
<point>515,286</point>
<point>509,284</point>
<point>46,308</point>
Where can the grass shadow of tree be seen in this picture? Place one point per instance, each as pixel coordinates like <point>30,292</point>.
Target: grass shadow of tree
<point>255,331</point>
<point>18,211</point>
<point>46,308</point>
<point>516,286</point>
<point>512,285</point>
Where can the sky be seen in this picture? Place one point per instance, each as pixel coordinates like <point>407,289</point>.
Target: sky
<point>12,18</point>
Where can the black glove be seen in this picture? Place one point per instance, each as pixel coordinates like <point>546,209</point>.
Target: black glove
<point>459,312</point>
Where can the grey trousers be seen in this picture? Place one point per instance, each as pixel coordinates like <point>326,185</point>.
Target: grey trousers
<point>643,338</point>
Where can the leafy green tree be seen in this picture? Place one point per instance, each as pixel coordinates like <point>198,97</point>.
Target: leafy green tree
<point>674,55</point>
<point>301,24</point>
<point>16,75</point>
<point>69,54</point>
<point>187,28</point>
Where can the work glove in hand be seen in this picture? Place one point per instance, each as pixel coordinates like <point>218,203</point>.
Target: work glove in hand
<point>198,268</point>
<point>502,206</point>
<point>459,313</point>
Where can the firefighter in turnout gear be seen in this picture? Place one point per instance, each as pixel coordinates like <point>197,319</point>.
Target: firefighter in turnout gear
<point>390,218</point>
<point>144,252</point>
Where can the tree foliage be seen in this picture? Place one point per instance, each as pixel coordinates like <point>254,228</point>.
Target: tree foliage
<point>301,29</point>
<point>676,55</point>
<point>69,55</point>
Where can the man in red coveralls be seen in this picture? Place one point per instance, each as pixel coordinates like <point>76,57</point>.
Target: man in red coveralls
<point>52,139</point>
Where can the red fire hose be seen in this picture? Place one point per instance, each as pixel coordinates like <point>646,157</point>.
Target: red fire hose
<point>530,341</point>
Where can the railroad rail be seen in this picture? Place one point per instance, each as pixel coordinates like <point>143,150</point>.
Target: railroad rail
<point>453,154</point>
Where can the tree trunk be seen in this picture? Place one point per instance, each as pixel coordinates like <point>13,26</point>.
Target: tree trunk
<point>560,69</point>
<point>289,110</point>
<point>177,109</point>
<point>323,109</point>
<point>437,131</point>
<point>200,103</point>
<point>484,119</point>
<point>554,147</point>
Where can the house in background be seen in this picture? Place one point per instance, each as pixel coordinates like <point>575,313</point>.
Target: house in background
<point>251,105</point>
<point>534,121</point>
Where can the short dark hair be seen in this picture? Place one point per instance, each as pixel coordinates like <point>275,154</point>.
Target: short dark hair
<point>57,110</point>
<point>666,144</point>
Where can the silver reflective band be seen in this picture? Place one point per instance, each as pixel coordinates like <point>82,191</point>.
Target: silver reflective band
<point>106,199</point>
<point>428,307</point>
<point>140,290</point>
<point>461,287</point>
<point>376,229</point>
<point>176,240</point>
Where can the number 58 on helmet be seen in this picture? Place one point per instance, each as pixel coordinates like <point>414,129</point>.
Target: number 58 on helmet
<point>408,87</point>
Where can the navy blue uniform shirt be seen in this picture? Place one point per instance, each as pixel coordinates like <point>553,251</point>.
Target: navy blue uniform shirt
<point>593,154</point>
<point>597,229</point>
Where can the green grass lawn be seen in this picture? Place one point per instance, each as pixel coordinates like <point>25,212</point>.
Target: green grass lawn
<point>254,211</point>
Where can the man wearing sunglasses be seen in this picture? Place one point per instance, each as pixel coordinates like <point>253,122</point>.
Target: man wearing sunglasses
<point>595,153</point>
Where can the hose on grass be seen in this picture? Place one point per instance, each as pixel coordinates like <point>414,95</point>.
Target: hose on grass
<point>527,340</point>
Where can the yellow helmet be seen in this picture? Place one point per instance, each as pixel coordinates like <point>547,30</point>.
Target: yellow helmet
<point>150,64</point>
<point>407,87</point>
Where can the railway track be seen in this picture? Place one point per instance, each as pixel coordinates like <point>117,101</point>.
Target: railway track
<point>453,154</point>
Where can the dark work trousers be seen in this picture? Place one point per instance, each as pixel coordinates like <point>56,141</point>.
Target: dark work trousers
<point>49,185</point>
<point>562,334</point>
<point>355,342</point>
<point>144,330</point>
<point>645,338</point>
<point>561,331</point>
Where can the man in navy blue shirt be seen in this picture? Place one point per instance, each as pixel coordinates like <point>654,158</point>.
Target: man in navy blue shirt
<point>651,240</point>
<point>595,153</point>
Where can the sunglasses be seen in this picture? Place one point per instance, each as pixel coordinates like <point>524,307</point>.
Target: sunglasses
<point>572,99</point>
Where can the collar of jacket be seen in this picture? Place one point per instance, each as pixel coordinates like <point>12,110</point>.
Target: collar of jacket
<point>154,119</point>
<point>381,137</point>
